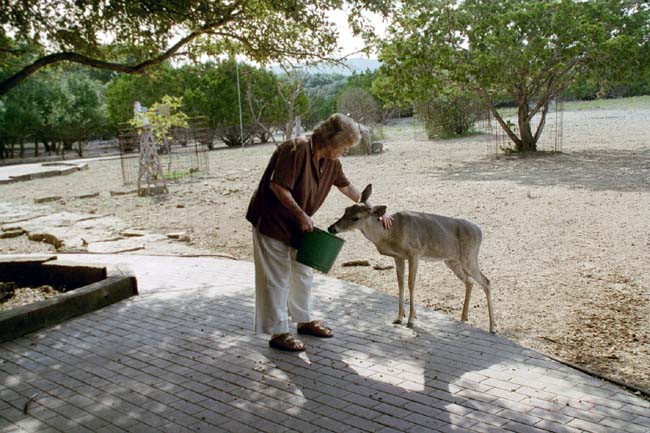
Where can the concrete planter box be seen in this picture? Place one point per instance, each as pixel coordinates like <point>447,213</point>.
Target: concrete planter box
<point>89,287</point>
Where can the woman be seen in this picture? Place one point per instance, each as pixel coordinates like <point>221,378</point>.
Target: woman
<point>296,182</point>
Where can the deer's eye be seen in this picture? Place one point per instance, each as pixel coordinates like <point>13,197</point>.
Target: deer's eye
<point>355,219</point>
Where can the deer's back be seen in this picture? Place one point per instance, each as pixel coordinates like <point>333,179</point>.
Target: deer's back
<point>430,236</point>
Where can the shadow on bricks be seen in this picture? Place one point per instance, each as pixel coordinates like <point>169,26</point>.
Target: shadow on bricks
<point>183,357</point>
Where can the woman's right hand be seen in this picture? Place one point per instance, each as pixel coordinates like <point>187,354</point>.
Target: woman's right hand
<point>305,221</point>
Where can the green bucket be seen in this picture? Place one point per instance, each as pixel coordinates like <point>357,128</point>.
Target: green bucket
<point>319,250</point>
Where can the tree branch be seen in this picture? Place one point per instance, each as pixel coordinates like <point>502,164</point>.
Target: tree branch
<point>230,14</point>
<point>67,56</point>
<point>542,122</point>
<point>497,116</point>
<point>257,117</point>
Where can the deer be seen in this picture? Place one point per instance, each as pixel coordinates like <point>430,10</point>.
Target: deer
<point>416,235</point>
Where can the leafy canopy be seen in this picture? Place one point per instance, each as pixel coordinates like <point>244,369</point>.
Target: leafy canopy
<point>161,117</point>
<point>526,51</point>
<point>57,105</point>
<point>130,36</point>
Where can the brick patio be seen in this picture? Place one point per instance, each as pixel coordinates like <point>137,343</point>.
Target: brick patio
<point>182,357</point>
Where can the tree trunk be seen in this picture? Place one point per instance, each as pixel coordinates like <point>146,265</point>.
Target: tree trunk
<point>288,128</point>
<point>504,125</point>
<point>21,154</point>
<point>528,141</point>
<point>80,148</point>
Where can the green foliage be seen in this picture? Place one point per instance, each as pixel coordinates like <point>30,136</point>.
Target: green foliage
<point>124,90</point>
<point>321,108</point>
<point>518,50</point>
<point>362,80</point>
<point>178,174</point>
<point>213,93</point>
<point>358,99</point>
<point>322,91</point>
<point>324,85</point>
<point>210,90</point>
<point>587,88</point>
<point>448,114</point>
<point>359,104</point>
<point>130,36</point>
<point>59,105</point>
<point>262,98</point>
<point>161,117</point>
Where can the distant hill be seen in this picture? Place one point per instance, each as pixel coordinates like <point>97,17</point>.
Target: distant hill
<point>353,65</point>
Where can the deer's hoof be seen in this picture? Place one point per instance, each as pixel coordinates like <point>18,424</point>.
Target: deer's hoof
<point>409,325</point>
<point>397,322</point>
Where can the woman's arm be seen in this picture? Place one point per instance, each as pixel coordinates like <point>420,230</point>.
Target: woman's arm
<point>352,192</point>
<point>285,197</point>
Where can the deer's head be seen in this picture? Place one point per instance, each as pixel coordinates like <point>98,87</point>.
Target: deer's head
<point>356,215</point>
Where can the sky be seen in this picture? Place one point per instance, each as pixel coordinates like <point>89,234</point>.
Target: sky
<point>349,43</point>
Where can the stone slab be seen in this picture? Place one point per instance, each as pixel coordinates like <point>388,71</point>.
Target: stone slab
<point>105,286</point>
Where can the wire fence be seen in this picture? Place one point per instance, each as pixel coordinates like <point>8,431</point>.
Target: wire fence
<point>550,140</point>
<point>184,154</point>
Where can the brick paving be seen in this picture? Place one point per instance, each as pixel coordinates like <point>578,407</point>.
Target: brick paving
<point>182,357</point>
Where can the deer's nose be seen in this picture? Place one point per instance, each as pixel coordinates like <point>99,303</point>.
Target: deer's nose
<point>331,229</point>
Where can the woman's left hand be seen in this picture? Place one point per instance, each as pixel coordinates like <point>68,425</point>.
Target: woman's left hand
<point>387,221</point>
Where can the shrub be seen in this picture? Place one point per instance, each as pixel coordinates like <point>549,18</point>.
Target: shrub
<point>449,115</point>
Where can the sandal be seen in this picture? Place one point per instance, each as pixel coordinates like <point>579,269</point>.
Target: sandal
<point>316,329</point>
<point>287,342</point>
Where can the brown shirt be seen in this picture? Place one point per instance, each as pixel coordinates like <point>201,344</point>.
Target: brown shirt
<point>293,165</point>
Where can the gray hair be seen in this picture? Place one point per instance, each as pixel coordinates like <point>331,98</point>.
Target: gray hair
<point>338,130</point>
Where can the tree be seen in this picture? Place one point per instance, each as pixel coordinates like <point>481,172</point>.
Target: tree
<point>359,104</point>
<point>131,36</point>
<point>123,90</point>
<point>80,113</point>
<point>290,88</point>
<point>58,107</point>
<point>161,117</point>
<point>213,93</point>
<point>264,103</point>
<point>322,90</point>
<point>359,98</point>
<point>25,114</point>
<point>518,50</point>
<point>448,113</point>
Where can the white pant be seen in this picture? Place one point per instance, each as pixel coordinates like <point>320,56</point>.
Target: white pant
<point>282,286</point>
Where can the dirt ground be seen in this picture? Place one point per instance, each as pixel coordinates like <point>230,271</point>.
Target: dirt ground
<point>27,295</point>
<point>566,236</point>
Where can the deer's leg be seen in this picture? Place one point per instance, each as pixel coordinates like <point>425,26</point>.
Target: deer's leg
<point>484,282</point>
<point>457,269</point>
<point>493,324</point>
<point>399,267</point>
<point>413,271</point>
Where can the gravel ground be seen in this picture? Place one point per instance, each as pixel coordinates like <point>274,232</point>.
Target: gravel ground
<point>566,235</point>
<point>27,295</point>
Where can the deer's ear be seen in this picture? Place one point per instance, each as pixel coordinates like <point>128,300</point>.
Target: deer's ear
<point>365,195</point>
<point>378,211</point>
